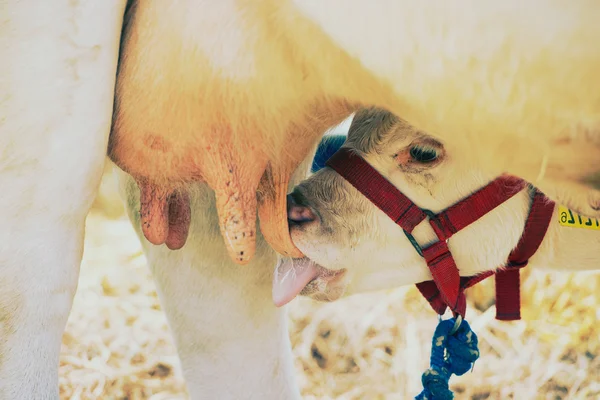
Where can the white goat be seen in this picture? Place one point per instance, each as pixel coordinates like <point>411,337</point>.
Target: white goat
<point>352,246</point>
<point>215,92</point>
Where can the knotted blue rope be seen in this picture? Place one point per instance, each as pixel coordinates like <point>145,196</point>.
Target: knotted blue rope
<point>451,353</point>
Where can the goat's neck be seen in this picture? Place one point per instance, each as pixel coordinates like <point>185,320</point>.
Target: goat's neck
<point>568,249</point>
<point>486,244</point>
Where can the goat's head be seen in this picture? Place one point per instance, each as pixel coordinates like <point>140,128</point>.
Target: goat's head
<point>351,246</point>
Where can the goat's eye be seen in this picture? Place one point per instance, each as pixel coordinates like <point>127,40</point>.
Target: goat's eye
<point>423,154</point>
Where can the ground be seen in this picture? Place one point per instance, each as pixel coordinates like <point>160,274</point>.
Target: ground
<point>117,344</point>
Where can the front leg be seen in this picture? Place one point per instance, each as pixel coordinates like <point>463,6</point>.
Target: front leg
<point>232,341</point>
<point>57,74</point>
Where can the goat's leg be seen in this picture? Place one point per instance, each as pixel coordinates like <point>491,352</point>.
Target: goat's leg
<point>232,341</point>
<point>56,88</point>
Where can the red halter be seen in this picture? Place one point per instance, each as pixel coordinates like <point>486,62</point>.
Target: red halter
<point>447,287</point>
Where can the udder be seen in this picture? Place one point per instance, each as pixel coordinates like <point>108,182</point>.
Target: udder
<point>182,116</point>
<point>231,163</point>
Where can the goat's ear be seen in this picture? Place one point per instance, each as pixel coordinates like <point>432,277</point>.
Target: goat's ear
<point>368,127</point>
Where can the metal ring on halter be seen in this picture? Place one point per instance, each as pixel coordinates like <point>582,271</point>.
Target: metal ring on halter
<point>457,324</point>
<point>414,242</point>
<point>411,238</point>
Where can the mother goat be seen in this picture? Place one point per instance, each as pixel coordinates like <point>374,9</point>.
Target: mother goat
<point>232,95</point>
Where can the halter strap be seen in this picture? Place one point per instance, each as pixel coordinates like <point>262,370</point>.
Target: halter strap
<point>508,297</point>
<point>447,287</point>
<point>376,188</point>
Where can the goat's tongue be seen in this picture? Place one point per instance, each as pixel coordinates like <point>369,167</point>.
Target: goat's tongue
<point>291,276</point>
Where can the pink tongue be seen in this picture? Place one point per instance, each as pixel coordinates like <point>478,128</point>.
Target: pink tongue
<point>291,276</point>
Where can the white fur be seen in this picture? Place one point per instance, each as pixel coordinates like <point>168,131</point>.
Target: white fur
<point>57,69</point>
<point>375,251</point>
<point>504,78</point>
<point>228,54</point>
<point>56,77</point>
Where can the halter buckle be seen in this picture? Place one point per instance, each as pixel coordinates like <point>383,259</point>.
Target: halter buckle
<point>431,217</point>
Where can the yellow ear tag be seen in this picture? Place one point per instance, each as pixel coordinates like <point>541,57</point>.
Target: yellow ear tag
<point>571,219</point>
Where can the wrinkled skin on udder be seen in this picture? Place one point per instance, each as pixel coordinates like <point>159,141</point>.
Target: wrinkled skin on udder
<point>234,167</point>
<point>241,122</point>
<point>168,138</point>
<point>238,105</point>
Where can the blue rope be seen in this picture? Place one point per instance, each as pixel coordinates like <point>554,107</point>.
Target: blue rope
<point>450,354</point>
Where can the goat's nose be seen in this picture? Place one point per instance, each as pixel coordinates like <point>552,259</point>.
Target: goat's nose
<point>298,214</point>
